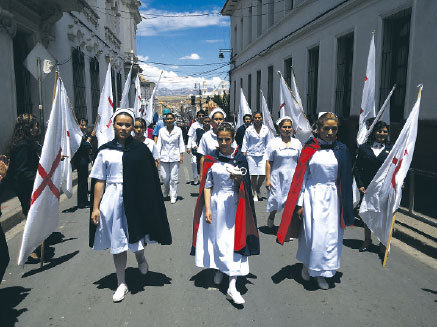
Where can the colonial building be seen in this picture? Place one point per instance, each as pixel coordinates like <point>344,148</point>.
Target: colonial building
<point>82,36</point>
<point>327,44</point>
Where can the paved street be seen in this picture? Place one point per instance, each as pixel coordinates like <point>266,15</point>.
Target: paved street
<point>75,286</point>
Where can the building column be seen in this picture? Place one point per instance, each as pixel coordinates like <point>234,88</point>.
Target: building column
<point>8,28</point>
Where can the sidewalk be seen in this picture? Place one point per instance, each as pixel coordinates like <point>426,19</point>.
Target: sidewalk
<point>11,210</point>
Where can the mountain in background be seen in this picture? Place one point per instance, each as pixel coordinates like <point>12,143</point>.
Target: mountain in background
<point>183,91</point>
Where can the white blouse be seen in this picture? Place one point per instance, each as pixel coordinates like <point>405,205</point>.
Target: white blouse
<point>377,148</point>
<point>152,147</point>
<point>255,144</point>
<point>192,134</point>
<point>170,145</point>
<point>209,144</point>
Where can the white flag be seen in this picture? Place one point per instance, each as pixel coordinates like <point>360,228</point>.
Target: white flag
<point>266,115</point>
<point>104,130</point>
<point>380,116</point>
<point>150,110</point>
<point>43,215</point>
<point>137,103</point>
<point>290,107</point>
<point>124,102</point>
<point>383,195</point>
<point>71,138</point>
<point>244,109</point>
<point>367,109</point>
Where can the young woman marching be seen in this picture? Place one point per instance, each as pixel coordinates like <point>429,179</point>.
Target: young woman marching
<point>255,142</point>
<point>126,213</point>
<point>208,143</point>
<point>282,154</point>
<point>171,149</point>
<point>321,193</point>
<point>225,231</point>
<point>139,130</point>
<point>371,156</point>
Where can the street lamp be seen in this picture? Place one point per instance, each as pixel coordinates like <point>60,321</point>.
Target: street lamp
<point>221,55</point>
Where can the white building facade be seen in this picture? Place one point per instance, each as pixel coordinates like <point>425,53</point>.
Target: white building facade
<point>83,36</point>
<point>327,44</point>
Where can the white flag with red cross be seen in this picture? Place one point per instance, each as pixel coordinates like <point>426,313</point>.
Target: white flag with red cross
<point>384,193</point>
<point>71,138</point>
<point>43,215</point>
<point>244,109</point>
<point>367,109</point>
<point>124,102</point>
<point>138,110</point>
<point>290,107</point>
<point>104,129</point>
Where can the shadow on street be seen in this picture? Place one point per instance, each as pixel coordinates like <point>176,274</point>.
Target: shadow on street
<point>136,282</point>
<point>51,263</point>
<point>14,295</point>
<point>294,272</point>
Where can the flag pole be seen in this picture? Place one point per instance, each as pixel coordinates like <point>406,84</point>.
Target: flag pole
<point>387,248</point>
<point>53,98</point>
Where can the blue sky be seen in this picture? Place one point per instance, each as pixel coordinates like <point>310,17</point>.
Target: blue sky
<point>183,40</point>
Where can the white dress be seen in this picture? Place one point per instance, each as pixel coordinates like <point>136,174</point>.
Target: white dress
<point>283,163</point>
<point>152,147</point>
<point>112,231</point>
<point>254,145</point>
<point>215,241</point>
<point>321,235</point>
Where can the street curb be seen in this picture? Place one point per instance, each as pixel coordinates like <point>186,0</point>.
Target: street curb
<point>9,221</point>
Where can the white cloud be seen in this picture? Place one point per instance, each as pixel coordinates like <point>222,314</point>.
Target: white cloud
<point>193,56</point>
<point>172,80</point>
<point>160,21</point>
<point>213,41</point>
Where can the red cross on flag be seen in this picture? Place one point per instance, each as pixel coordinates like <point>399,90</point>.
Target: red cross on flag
<point>104,130</point>
<point>367,109</point>
<point>383,195</point>
<point>43,215</point>
<point>293,108</point>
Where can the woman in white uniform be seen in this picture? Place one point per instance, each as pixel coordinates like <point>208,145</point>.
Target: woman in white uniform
<point>117,213</point>
<point>171,149</point>
<point>281,159</point>
<point>208,143</point>
<point>216,240</point>
<point>323,177</point>
<point>140,130</point>
<point>255,142</point>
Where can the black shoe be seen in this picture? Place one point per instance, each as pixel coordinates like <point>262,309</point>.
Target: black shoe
<point>365,247</point>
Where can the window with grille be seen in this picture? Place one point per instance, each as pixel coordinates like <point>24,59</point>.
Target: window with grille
<point>22,75</point>
<point>270,87</point>
<point>249,26</point>
<point>313,76</point>
<point>288,70</point>
<point>345,57</point>
<point>289,4</point>
<point>395,49</point>
<point>95,87</point>
<point>259,21</point>
<point>79,88</point>
<point>271,12</point>
<point>258,90</point>
<point>235,97</point>
<point>249,90</point>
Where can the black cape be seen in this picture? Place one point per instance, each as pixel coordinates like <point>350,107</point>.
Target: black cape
<point>142,196</point>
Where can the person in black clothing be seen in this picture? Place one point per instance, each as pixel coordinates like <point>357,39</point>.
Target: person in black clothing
<point>23,152</point>
<point>4,251</point>
<point>80,162</point>
<point>198,135</point>
<point>371,156</point>
<point>239,135</point>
